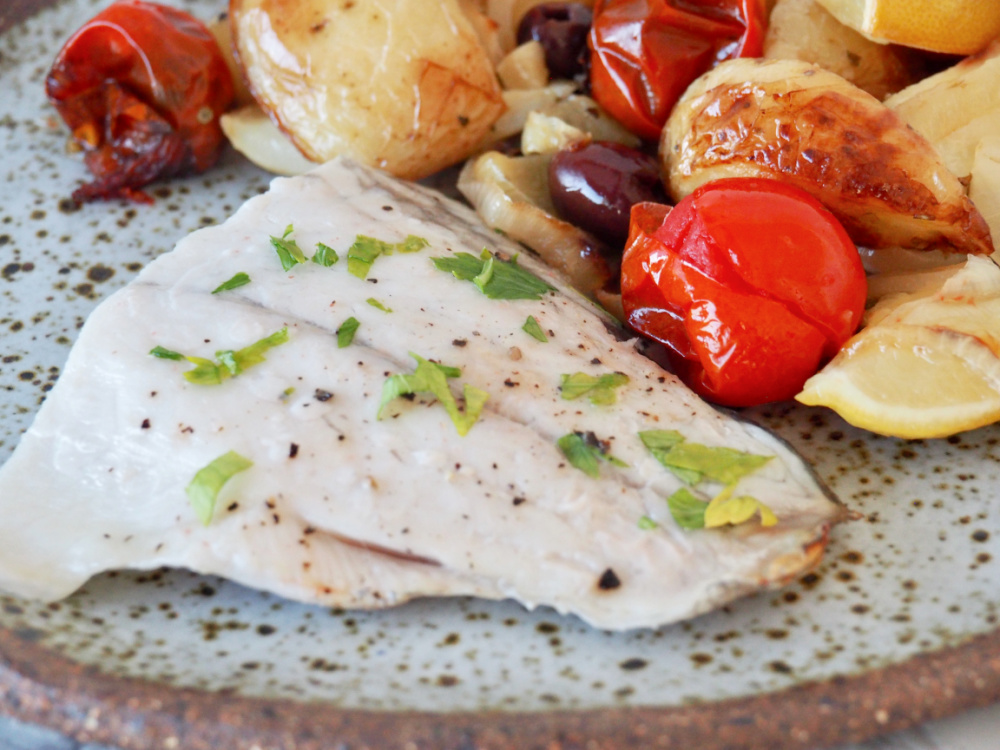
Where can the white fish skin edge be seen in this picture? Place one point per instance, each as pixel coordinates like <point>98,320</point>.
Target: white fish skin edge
<point>367,512</point>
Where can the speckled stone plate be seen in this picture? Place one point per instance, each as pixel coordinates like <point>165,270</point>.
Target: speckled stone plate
<point>898,625</point>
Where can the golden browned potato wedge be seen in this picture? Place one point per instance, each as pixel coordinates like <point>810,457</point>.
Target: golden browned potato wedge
<point>405,86</point>
<point>796,122</point>
<point>805,30</point>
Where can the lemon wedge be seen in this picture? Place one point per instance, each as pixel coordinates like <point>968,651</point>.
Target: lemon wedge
<point>927,364</point>
<point>959,27</point>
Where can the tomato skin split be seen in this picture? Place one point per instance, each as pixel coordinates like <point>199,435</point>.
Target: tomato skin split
<point>141,87</point>
<point>751,284</point>
<point>645,53</point>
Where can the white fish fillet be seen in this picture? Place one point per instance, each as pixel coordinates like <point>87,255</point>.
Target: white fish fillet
<point>365,512</point>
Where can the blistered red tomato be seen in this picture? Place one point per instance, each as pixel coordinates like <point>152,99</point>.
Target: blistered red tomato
<point>141,87</point>
<point>645,53</point>
<point>750,283</point>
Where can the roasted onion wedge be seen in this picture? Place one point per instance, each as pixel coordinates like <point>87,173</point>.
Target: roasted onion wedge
<point>796,122</point>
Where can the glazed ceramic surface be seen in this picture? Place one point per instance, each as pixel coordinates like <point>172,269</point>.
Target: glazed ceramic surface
<point>915,572</point>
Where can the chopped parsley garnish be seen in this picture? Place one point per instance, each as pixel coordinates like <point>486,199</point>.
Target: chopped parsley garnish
<point>646,523</point>
<point>585,451</point>
<point>378,305</point>
<point>728,509</point>
<point>362,254</point>
<point>432,377</point>
<point>496,278</point>
<point>687,509</point>
<point>203,491</point>
<point>288,250</point>
<point>228,363</point>
<point>345,334</point>
<point>238,280</point>
<point>159,351</point>
<point>534,330</point>
<point>694,463</point>
<point>601,390</point>
<point>325,255</point>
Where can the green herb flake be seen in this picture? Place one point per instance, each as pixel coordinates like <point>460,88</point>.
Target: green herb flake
<point>693,462</point>
<point>723,465</point>
<point>363,252</point>
<point>227,363</point>
<point>495,277</point>
<point>585,451</point>
<point>533,329</point>
<point>203,491</point>
<point>238,280</point>
<point>378,305</point>
<point>412,244</point>
<point>432,377</point>
<point>647,524</point>
<point>325,255</point>
<point>345,334</point>
<point>727,509</point>
<point>600,390</point>
<point>159,351</point>
<point>688,511</point>
<point>288,250</point>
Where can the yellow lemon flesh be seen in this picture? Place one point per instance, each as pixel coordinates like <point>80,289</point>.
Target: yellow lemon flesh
<point>927,365</point>
<point>959,27</point>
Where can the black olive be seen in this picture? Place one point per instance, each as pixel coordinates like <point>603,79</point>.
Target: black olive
<point>595,185</point>
<point>561,29</point>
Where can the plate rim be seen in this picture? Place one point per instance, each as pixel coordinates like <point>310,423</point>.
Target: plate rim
<point>40,686</point>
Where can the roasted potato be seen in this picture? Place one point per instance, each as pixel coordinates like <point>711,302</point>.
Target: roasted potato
<point>403,85</point>
<point>796,122</point>
<point>805,30</point>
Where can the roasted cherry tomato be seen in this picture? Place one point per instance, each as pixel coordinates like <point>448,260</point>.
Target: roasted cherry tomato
<point>751,284</point>
<point>644,53</point>
<point>141,86</point>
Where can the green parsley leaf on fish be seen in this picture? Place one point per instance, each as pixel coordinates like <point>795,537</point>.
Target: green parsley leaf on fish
<point>345,334</point>
<point>325,255</point>
<point>585,451</point>
<point>288,250</point>
<point>363,252</point>
<point>227,363</point>
<point>238,280</point>
<point>204,489</point>
<point>432,377</point>
<point>600,390</point>
<point>533,329</point>
<point>495,277</point>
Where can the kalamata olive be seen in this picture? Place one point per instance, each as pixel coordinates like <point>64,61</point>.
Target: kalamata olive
<point>561,29</point>
<point>595,185</point>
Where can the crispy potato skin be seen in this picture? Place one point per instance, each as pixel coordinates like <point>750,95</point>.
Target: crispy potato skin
<point>404,85</point>
<point>792,121</point>
<point>805,30</point>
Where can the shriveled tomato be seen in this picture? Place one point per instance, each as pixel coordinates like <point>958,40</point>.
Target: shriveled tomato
<point>750,283</point>
<point>141,86</point>
<point>645,53</point>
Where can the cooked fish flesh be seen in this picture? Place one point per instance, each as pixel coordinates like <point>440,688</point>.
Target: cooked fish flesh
<point>341,502</point>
